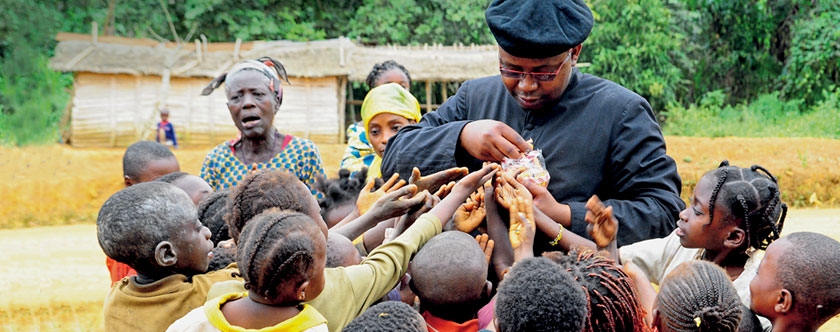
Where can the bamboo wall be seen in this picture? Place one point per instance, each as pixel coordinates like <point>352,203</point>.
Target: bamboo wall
<point>112,110</point>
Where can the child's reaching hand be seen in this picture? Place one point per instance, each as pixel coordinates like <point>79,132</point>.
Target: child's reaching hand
<point>522,229</point>
<point>486,245</point>
<point>398,202</point>
<point>462,189</point>
<point>444,190</point>
<point>602,225</point>
<point>508,189</point>
<point>434,181</point>
<point>470,214</point>
<point>367,198</point>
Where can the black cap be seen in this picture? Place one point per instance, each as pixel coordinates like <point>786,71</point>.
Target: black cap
<point>538,29</point>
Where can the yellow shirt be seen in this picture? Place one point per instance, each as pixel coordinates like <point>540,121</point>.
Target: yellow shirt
<point>210,318</point>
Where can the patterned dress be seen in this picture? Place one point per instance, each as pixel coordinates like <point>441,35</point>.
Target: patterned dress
<point>299,156</point>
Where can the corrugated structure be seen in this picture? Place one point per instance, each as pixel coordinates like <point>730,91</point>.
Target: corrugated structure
<point>121,83</point>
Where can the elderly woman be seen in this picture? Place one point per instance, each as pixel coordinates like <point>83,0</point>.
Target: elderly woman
<point>254,93</point>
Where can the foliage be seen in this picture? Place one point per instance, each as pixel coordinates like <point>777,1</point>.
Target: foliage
<point>32,97</point>
<point>766,116</point>
<point>634,44</point>
<point>814,61</point>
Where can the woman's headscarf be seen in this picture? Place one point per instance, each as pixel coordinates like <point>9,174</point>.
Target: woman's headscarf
<point>389,98</point>
<point>272,69</point>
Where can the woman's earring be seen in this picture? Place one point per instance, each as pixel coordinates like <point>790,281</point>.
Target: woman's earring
<point>302,296</point>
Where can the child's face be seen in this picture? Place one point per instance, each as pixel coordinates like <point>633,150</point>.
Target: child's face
<point>164,116</point>
<point>192,247</point>
<point>194,186</point>
<point>382,127</point>
<point>765,287</point>
<point>694,228</point>
<point>393,76</point>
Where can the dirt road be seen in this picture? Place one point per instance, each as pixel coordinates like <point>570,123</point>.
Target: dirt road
<point>64,264</point>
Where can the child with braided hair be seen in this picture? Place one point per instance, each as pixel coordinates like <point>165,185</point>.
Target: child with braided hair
<point>697,296</point>
<point>613,302</point>
<point>281,256</point>
<point>340,194</point>
<point>734,214</point>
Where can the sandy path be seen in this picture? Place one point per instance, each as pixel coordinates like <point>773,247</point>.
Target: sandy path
<point>64,264</point>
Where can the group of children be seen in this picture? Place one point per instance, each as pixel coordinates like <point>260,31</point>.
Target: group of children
<point>450,251</point>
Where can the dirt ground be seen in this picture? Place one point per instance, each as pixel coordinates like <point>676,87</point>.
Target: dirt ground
<point>59,185</point>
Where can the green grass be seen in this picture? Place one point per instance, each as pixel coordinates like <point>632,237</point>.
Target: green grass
<point>766,116</point>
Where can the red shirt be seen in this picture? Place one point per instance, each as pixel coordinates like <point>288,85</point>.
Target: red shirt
<point>435,324</point>
<point>118,270</point>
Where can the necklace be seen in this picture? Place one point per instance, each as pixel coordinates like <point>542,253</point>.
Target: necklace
<point>273,147</point>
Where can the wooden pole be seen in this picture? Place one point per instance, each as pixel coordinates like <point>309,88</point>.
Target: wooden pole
<point>428,96</point>
<point>443,92</point>
<point>342,108</point>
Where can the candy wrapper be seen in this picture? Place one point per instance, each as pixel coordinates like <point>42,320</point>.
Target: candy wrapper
<point>530,166</point>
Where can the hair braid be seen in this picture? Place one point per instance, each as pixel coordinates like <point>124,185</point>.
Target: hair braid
<point>698,296</point>
<point>381,68</point>
<point>237,204</point>
<point>253,250</point>
<point>746,215</point>
<point>721,180</point>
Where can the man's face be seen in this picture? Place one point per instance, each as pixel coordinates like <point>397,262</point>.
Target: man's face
<point>532,92</point>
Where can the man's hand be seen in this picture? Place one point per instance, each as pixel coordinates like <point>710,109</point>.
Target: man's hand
<point>367,198</point>
<point>434,181</point>
<point>492,140</point>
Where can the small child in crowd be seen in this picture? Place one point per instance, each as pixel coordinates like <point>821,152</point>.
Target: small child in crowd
<point>154,229</point>
<point>143,161</point>
<point>193,185</point>
<point>449,275</point>
<point>538,295</point>
<point>340,194</point>
<point>797,285</point>
<point>734,214</point>
<point>388,316</point>
<point>385,110</point>
<point>165,133</point>
<point>697,296</point>
<point>281,256</point>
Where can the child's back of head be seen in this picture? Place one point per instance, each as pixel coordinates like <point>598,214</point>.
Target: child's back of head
<point>797,283</point>
<point>341,251</point>
<point>268,189</point>
<point>539,295</point>
<point>140,222</point>
<point>193,185</point>
<point>340,194</point>
<point>449,275</point>
<point>145,161</point>
<point>211,212</point>
<point>282,255</point>
<point>613,302</point>
<point>388,316</point>
<point>697,296</point>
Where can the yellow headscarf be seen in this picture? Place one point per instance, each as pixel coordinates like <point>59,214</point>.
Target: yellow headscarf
<point>387,98</point>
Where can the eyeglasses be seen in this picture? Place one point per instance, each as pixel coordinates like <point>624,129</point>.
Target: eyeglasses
<point>542,77</point>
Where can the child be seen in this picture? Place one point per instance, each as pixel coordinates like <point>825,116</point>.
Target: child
<point>211,211</point>
<point>385,110</point>
<point>449,275</point>
<point>348,291</point>
<point>538,295</point>
<point>143,161</point>
<point>340,194</point>
<point>797,285</point>
<point>697,296</point>
<point>153,228</point>
<point>281,256</point>
<point>165,130</point>
<point>341,252</point>
<point>613,301</point>
<point>734,214</point>
<point>359,152</point>
<point>388,316</point>
<point>193,185</point>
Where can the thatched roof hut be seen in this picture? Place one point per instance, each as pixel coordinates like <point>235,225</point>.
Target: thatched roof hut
<point>121,83</point>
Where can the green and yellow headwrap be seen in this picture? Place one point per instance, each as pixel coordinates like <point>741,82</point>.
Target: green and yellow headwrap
<point>389,98</point>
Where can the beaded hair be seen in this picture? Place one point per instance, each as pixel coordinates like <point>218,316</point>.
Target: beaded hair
<point>611,295</point>
<point>752,199</point>
<point>698,296</point>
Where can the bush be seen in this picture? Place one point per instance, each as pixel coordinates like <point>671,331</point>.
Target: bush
<point>814,62</point>
<point>767,116</point>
